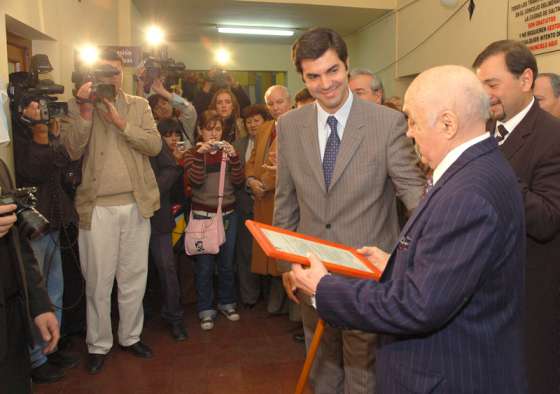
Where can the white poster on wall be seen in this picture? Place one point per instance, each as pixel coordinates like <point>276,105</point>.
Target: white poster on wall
<point>4,132</point>
<point>536,23</point>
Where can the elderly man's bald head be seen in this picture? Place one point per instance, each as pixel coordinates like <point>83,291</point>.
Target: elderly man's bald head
<point>451,88</point>
<point>446,106</point>
<point>278,102</point>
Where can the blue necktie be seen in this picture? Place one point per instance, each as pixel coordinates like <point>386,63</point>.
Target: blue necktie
<point>331,150</point>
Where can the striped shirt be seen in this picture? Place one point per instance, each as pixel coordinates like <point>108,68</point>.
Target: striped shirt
<point>203,173</point>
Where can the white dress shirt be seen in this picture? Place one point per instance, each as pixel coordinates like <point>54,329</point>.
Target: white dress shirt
<point>454,154</point>
<point>511,124</point>
<point>250,146</point>
<point>341,117</point>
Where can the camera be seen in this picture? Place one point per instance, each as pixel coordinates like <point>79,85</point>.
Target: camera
<point>165,68</point>
<point>181,146</point>
<point>99,90</point>
<point>25,87</point>
<point>32,224</point>
<point>217,145</point>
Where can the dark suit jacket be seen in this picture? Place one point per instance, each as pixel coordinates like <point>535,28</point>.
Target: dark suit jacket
<point>33,293</point>
<point>450,301</point>
<point>533,150</point>
<point>167,173</point>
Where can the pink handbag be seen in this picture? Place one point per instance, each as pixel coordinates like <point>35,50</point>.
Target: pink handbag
<point>205,236</point>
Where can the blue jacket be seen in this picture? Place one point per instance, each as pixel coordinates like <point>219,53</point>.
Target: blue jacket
<point>449,305</point>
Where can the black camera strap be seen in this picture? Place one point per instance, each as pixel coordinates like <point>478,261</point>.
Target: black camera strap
<point>31,122</point>
<point>80,100</point>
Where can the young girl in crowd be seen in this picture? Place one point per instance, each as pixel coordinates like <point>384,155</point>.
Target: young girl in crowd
<point>202,166</point>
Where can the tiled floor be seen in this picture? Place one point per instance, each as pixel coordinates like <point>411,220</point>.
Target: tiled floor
<point>254,355</point>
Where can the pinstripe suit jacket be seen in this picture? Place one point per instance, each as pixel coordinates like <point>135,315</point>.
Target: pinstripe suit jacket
<point>449,303</point>
<point>375,162</point>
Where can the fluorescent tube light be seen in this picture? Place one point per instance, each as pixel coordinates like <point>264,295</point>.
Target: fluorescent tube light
<point>261,31</point>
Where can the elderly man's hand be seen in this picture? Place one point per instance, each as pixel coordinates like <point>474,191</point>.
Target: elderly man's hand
<point>7,218</point>
<point>50,332</point>
<point>289,287</point>
<point>308,279</point>
<point>376,256</point>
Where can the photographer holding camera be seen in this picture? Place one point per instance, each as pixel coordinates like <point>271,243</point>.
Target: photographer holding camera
<point>41,161</point>
<point>25,304</point>
<point>202,168</point>
<point>115,136</point>
<point>166,105</point>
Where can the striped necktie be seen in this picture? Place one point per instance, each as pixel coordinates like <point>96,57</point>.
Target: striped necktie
<point>331,150</point>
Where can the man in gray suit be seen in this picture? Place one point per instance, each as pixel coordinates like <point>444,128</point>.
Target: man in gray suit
<point>341,163</point>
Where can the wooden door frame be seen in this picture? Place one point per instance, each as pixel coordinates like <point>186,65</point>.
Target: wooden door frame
<point>21,43</point>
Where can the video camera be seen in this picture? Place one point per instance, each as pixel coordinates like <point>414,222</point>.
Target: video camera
<point>165,68</point>
<point>32,224</point>
<point>25,87</point>
<point>99,90</point>
<point>219,78</point>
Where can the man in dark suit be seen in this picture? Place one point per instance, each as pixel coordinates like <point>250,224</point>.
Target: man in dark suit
<point>341,162</point>
<point>23,300</point>
<point>529,138</point>
<point>449,302</point>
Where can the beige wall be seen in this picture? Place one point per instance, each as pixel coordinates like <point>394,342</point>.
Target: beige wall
<point>245,57</point>
<point>457,42</point>
<point>373,48</point>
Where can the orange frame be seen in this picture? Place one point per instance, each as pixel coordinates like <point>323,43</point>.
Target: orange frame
<point>271,251</point>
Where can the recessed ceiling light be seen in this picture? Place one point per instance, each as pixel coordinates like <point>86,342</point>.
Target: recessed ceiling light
<point>259,31</point>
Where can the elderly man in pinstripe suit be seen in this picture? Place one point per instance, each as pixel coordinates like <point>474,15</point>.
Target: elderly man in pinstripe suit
<point>449,302</point>
<point>341,163</point>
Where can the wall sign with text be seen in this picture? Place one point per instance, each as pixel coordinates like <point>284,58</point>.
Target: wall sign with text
<point>536,23</point>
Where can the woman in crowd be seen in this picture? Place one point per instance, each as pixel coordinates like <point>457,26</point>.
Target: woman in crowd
<point>166,105</point>
<point>202,165</point>
<point>168,174</point>
<point>261,179</point>
<point>226,105</point>
<point>249,283</point>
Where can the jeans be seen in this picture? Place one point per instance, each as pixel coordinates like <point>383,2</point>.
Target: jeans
<point>161,250</point>
<point>47,253</point>
<point>204,272</point>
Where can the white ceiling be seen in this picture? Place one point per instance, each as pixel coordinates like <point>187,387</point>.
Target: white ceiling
<point>186,20</point>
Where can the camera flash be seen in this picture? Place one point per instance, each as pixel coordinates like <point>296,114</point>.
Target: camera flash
<point>222,56</point>
<point>154,35</point>
<point>89,54</point>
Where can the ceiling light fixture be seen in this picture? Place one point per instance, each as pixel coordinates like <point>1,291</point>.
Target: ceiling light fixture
<point>259,31</point>
<point>222,56</point>
<point>154,36</point>
<point>89,54</point>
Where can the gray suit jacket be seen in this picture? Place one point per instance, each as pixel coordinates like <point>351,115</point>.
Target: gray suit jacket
<point>375,163</point>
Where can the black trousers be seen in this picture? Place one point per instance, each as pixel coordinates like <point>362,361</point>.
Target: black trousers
<point>15,368</point>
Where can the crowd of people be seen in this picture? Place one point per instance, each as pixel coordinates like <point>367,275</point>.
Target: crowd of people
<point>463,216</point>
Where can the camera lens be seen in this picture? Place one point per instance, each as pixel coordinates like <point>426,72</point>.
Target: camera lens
<point>32,224</point>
